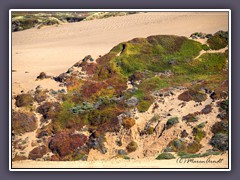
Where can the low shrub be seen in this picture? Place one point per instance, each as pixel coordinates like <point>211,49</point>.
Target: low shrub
<point>132,146</point>
<point>190,118</point>
<point>128,123</point>
<point>165,156</point>
<point>219,40</point>
<point>150,130</point>
<point>171,122</point>
<point>24,100</point>
<point>66,142</point>
<point>207,109</point>
<point>23,122</point>
<point>38,152</point>
<point>194,95</point>
<point>205,47</point>
<point>220,141</point>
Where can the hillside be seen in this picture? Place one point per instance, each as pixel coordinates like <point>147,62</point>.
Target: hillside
<point>157,97</point>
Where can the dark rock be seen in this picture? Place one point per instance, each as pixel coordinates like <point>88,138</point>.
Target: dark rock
<point>38,152</point>
<point>42,75</point>
<point>61,78</point>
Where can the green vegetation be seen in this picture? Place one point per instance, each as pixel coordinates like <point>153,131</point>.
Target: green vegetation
<point>219,40</point>
<point>199,134</point>
<point>132,146</point>
<point>165,156</point>
<point>171,122</point>
<point>205,47</point>
<point>26,20</point>
<point>97,103</point>
<point>189,155</point>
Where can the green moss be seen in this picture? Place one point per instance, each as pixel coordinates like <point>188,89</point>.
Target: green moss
<point>165,156</point>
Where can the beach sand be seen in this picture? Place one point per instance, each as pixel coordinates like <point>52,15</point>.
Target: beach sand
<point>220,161</point>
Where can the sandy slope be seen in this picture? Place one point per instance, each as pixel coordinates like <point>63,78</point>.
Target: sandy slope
<point>54,49</point>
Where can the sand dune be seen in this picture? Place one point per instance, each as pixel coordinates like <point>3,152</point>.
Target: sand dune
<point>54,49</point>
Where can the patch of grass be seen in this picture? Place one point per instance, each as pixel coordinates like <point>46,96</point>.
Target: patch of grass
<point>189,155</point>
<point>164,156</point>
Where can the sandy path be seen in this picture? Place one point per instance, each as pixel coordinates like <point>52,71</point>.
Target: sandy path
<point>55,49</point>
<point>120,163</point>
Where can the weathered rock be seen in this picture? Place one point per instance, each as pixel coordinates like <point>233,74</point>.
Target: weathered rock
<point>38,152</point>
<point>23,122</point>
<point>42,75</point>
